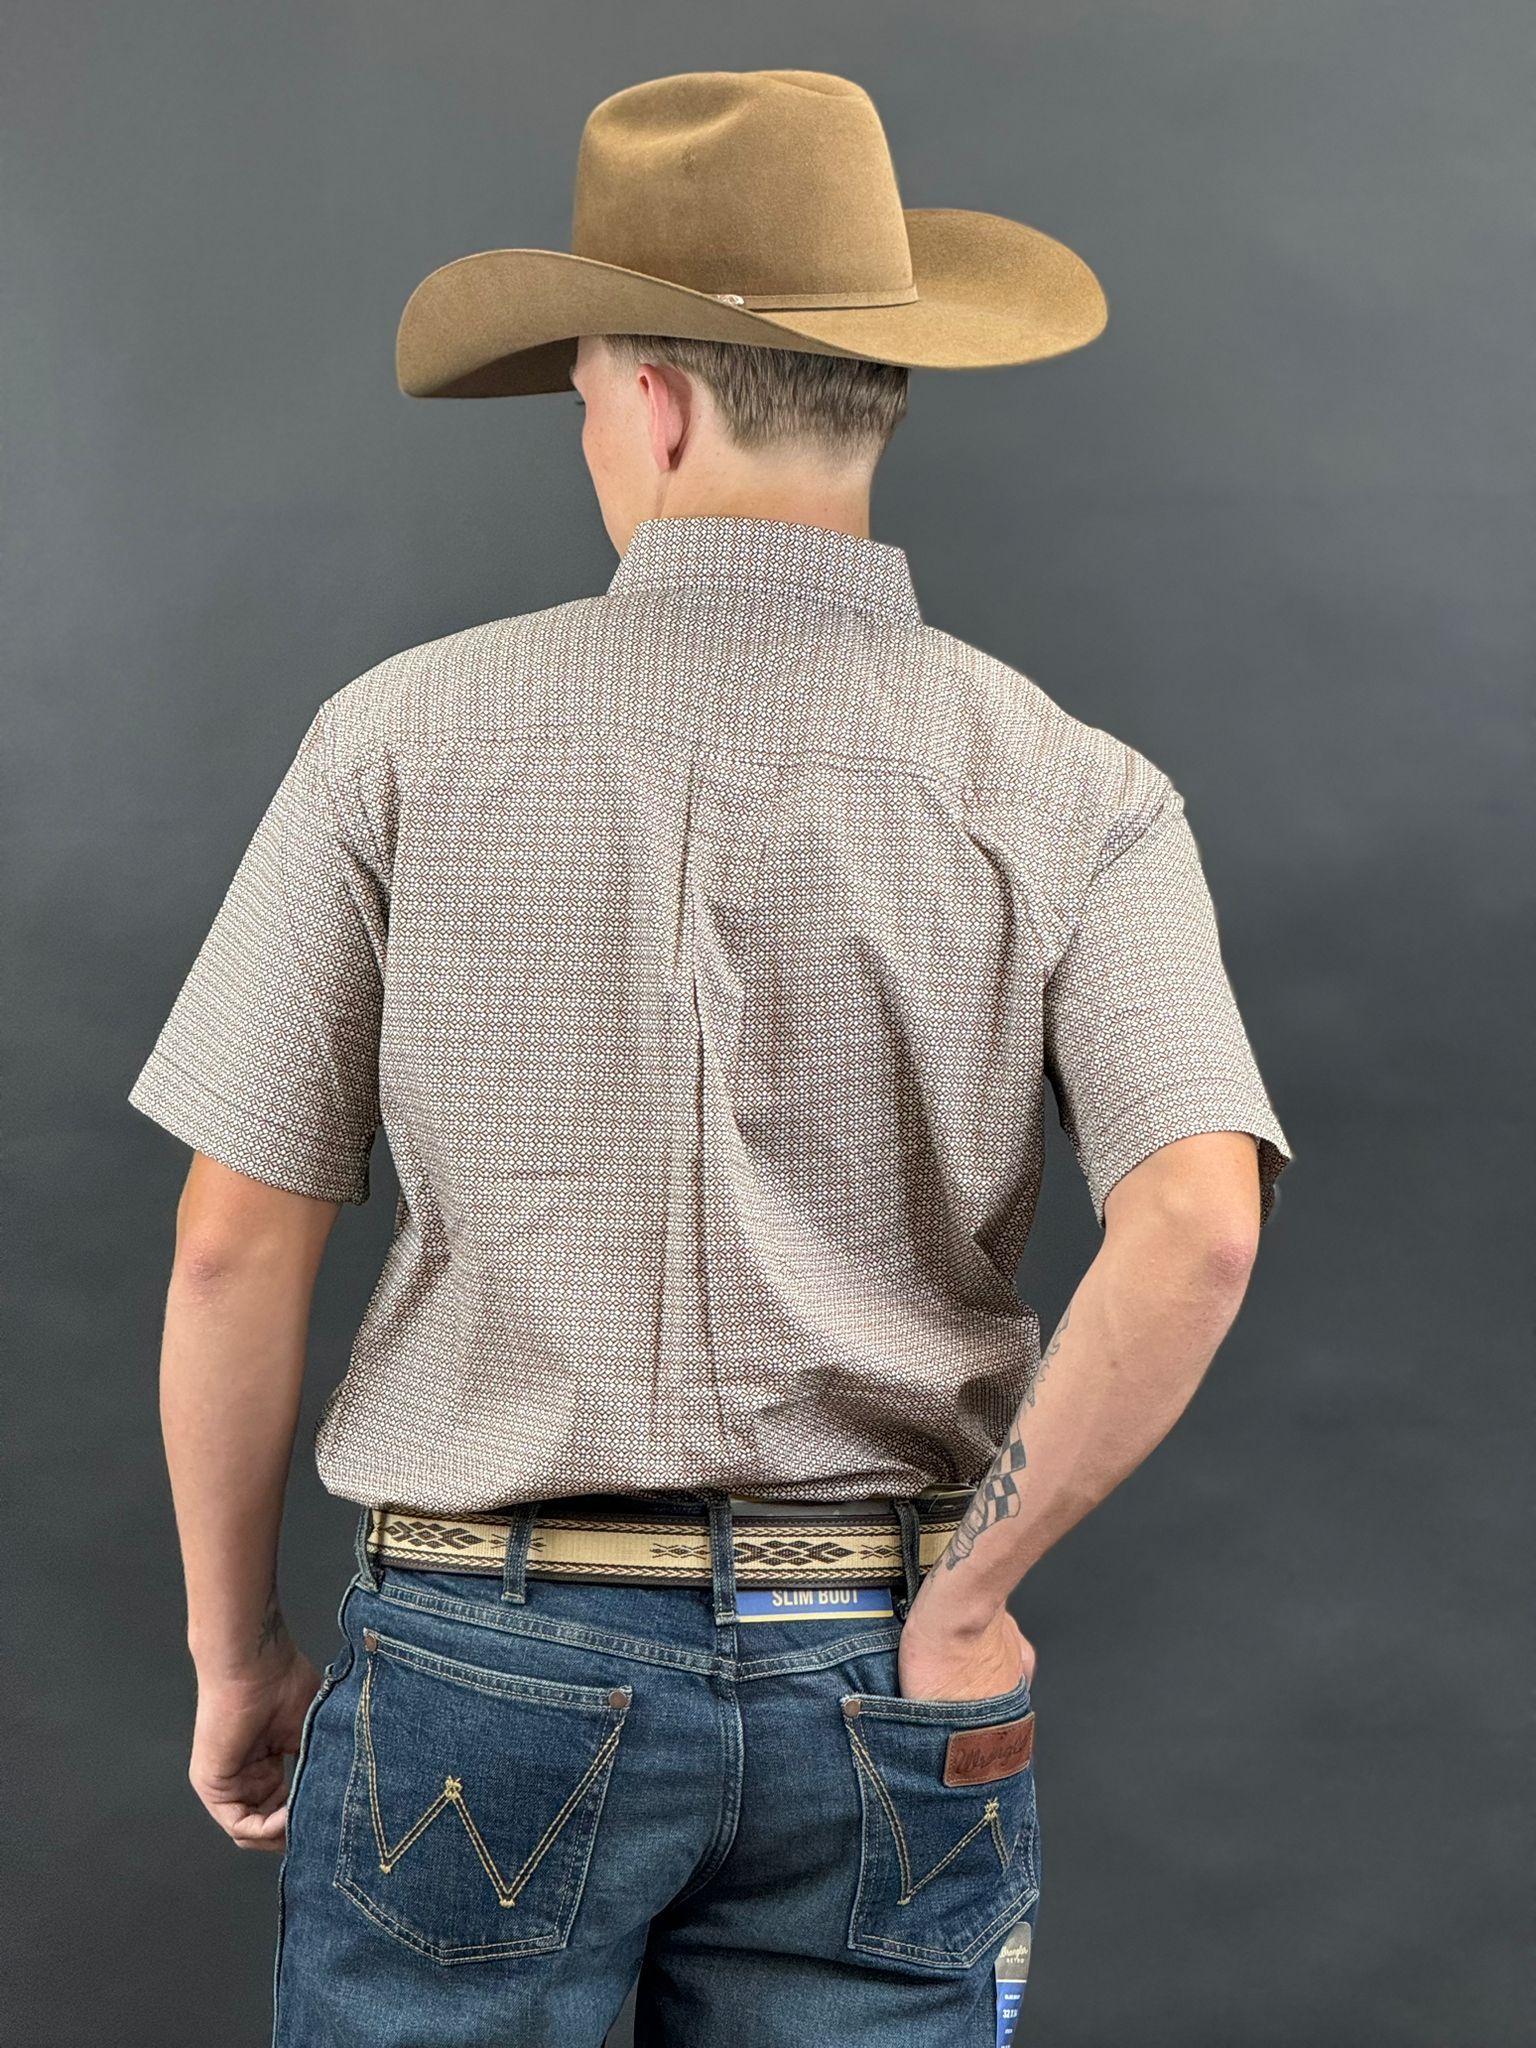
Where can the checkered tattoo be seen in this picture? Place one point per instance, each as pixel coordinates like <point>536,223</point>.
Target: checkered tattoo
<point>995,1499</point>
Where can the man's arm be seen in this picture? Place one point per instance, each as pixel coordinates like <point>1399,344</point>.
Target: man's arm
<point>231,1377</point>
<point>1181,1233</point>
<point>267,1067</point>
<point>1163,1101</point>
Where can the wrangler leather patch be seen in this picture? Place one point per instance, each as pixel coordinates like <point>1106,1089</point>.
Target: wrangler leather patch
<point>974,1755</point>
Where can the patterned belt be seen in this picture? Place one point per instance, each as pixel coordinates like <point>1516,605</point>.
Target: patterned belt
<point>774,1543</point>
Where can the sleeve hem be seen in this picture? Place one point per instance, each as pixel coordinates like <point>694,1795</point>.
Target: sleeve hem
<point>222,1130</point>
<point>1177,1118</point>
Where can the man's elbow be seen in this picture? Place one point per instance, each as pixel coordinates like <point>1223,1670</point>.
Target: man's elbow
<point>1213,1243</point>
<point>229,1225</point>
<point>1200,1194</point>
<point>1230,1252</point>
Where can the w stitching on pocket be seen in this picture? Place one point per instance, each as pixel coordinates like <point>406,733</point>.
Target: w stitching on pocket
<point>910,1814</point>
<point>452,1795</point>
<point>910,1887</point>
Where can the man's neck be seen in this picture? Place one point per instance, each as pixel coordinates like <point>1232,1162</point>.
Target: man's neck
<point>839,508</point>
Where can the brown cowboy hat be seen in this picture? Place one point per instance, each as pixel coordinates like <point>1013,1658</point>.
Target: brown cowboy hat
<point>748,206</point>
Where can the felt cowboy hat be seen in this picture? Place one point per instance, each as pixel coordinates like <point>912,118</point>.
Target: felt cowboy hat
<point>747,206</point>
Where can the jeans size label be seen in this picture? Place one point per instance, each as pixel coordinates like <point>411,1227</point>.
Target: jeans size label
<point>1011,1970</point>
<point>811,1603</point>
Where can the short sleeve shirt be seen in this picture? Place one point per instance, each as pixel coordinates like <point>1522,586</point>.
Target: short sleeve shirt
<point>706,949</point>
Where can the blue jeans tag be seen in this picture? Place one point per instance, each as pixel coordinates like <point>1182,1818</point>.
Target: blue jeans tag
<point>811,1603</point>
<point>1012,1968</point>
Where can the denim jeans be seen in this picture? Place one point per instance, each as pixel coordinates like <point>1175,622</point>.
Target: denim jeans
<point>514,1798</point>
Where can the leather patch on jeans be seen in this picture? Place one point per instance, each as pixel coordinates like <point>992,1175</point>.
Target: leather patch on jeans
<point>974,1755</point>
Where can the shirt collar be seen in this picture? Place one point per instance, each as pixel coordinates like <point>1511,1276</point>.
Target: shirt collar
<point>704,549</point>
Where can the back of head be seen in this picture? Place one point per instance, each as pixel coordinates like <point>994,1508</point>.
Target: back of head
<point>840,408</point>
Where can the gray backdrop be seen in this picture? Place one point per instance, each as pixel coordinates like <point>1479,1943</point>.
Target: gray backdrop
<point>1268,528</point>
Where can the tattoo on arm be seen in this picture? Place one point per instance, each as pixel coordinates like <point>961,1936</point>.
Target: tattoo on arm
<point>1049,1352</point>
<point>998,1496</point>
<point>995,1499</point>
<point>273,1627</point>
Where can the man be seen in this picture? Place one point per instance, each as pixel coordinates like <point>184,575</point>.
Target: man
<point>704,948</point>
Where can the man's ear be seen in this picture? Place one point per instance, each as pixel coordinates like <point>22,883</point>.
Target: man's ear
<point>672,411</point>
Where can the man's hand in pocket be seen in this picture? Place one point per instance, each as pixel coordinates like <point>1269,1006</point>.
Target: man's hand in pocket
<point>245,1727</point>
<point>937,1660</point>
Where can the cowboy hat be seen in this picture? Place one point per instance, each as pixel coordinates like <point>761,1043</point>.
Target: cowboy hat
<point>747,206</point>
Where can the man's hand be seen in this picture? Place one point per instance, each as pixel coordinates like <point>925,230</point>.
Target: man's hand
<point>945,1663</point>
<point>245,1727</point>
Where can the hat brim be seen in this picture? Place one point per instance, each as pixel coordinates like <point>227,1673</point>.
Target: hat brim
<point>504,323</point>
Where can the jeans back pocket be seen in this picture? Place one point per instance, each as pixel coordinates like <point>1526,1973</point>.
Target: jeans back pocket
<point>473,1801</point>
<point>949,1855</point>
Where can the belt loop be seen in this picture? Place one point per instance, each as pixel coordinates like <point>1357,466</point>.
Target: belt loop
<point>367,1575</point>
<point>514,1577</point>
<point>722,1561</point>
<point>911,1556</point>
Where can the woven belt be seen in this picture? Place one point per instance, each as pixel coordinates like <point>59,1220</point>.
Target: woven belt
<point>839,1543</point>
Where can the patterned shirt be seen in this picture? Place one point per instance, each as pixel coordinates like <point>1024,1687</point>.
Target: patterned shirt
<point>704,948</point>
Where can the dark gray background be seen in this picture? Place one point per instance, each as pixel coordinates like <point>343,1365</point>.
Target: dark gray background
<point>1269,528</point>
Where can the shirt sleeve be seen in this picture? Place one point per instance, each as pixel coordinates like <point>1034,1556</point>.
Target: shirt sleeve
<point>268,1060</point>
<point>1144,1043</point>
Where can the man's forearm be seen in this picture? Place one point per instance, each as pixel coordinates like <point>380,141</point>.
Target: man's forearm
<point>1124,1362</point>
<point>231,1374</point>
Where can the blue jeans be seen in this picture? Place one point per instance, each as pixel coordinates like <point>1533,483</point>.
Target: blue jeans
<point>514,1798</point>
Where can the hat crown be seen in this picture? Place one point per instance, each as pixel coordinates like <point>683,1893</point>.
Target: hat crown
<point>776,187</point>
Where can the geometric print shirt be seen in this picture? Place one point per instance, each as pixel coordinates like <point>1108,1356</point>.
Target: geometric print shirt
<point>706,950</point>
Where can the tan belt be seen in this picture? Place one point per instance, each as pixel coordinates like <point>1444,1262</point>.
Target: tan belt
<point>837,1543</point>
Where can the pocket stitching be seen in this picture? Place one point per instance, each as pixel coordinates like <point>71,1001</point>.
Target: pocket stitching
<point>587,1699</point>
<point>599,1774</point>
<point>989,1819</point>
<point>874,1943</point>
<point>921,1713</point>
<point>452,1795</point>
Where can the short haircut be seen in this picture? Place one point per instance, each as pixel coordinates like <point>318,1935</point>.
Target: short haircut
<point>843,406</point>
